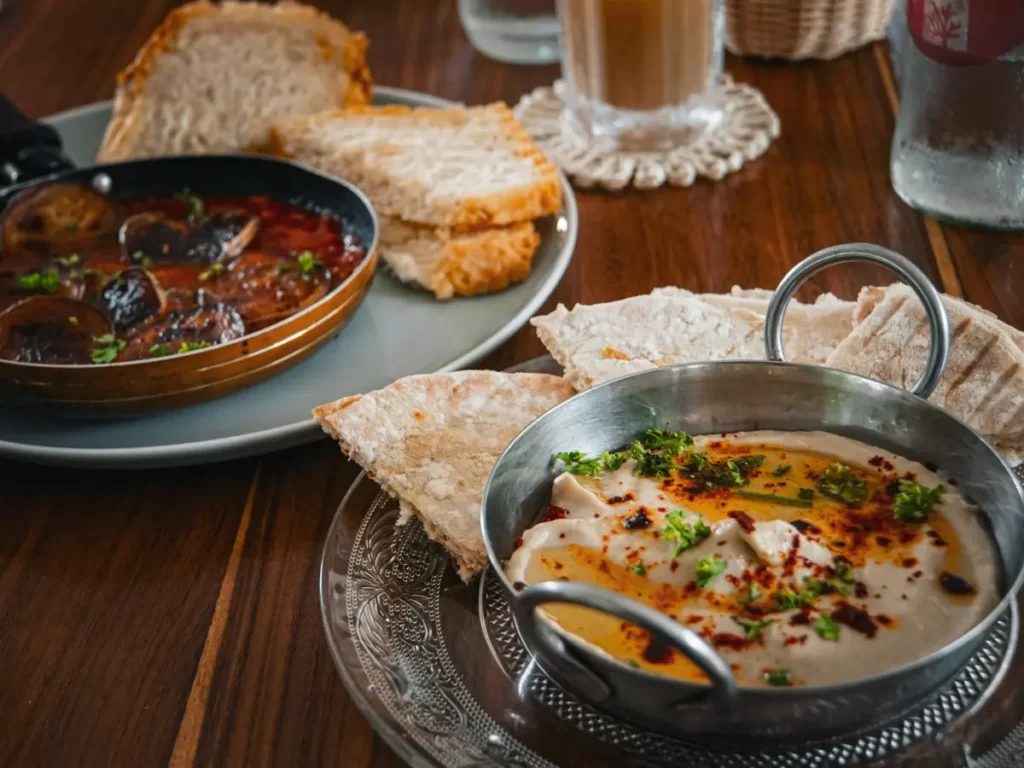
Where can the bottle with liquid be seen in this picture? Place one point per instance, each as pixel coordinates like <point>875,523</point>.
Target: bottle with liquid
<point>958,151</point>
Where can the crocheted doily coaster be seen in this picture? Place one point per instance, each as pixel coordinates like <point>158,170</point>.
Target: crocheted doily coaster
<point>747,127</point>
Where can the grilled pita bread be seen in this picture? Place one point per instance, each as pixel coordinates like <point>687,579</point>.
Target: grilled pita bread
<point>432,440</point>
<point>983,385</point>
<point>670,325</point>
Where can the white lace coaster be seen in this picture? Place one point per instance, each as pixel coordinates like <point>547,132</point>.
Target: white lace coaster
<point>748,126</point>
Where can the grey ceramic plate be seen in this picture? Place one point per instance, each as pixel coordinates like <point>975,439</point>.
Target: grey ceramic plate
<point>396,332</point>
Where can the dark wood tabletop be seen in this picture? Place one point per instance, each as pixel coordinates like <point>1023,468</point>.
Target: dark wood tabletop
<point>171,616</point>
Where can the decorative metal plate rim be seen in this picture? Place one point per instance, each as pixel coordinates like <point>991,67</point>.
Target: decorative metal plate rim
<point>471,737</point>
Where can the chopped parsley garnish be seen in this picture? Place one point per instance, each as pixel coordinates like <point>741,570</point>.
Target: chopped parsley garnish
<point>655,455</point>
<point>217,268</point>
<point>844,570</point>
<point>307,263</point>
<point>914,501</point>
<point>685,535</point>
<point>196,209</point>
<point>754,593</point>
<point>576,463</point>
<point>805,493</point>
<point>142,259</point>
<point>787,600</point>
<point>192,346</point>
<point>159,350</point>
<point>787,501</point>
<point>778,677</point>
<point>108,347</point>
<point>730,473</point>
<point>639,569</point>
<point>69,261</point>
<point>840,483</point>
<point>827,628</point>
<point>708,569</point>
<point>780,470</point>
<point>73,320</point>
<point>752,628</point>
<point>44,280</point>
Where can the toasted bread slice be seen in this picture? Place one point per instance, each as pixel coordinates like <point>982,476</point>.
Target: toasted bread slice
<point>671,325</point>
<point>983,385</point>
<point>213,78</point>
<point>452,264</point>
<point>462,168</point>
<point>432,440</point>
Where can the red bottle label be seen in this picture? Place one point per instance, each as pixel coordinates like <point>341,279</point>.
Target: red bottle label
<point>962,32</point>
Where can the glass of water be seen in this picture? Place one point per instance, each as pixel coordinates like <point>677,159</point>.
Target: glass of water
<point>513,31</point>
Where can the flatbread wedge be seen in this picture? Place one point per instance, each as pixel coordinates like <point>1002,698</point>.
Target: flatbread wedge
<point>671,325</point>
<point>214,78</point>
<point>432,440</point>
<point>983,385</point>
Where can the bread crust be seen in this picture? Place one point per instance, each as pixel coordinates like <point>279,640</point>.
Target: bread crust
<point>453,264</point>
<point>541,198</point>
<point>126,123</point>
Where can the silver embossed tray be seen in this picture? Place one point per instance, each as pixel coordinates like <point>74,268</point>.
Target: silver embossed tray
<point>440,672</point>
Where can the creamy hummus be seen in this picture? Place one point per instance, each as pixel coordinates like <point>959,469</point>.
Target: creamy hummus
<point>790,581</point>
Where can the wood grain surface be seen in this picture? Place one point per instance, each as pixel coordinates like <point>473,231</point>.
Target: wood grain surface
<point>171,616</point>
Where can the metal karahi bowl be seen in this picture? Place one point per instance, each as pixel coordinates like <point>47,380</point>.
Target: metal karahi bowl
<point>708,398</point>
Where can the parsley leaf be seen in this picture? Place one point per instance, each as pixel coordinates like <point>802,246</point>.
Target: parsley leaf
<point>159,350</point>
<point>778,677</point>
<point>192,346</point>
<point>720,474</point>
<point>840,483</point>
<point>217,268</point>
<point>576,463</point>
<point>780,470</point>
<point>307,263</point>
<point>708,569</point>
<point>754,593</point>
<point>844,570</point>
<point>787,600</point>
<point>914,501</point>
<point>639,569</point>
<point>827,628</point>
<point>107,349</point>
<point>684,534</point>
<point>197,211</point>
<point>752,627</point>
<point>46,280</point>
<point>69,261</point>
<point>805,493</point>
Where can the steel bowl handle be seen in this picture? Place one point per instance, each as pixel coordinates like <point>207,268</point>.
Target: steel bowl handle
<point>665,629</point>
<point>910,273</point>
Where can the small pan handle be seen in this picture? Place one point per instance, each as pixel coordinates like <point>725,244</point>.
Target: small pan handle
<point>665,629</point>
<point>909,272</point>
<point>28,149</point>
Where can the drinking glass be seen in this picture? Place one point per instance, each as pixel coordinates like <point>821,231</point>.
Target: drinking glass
<point>513,31</point>
<point>641,75</point>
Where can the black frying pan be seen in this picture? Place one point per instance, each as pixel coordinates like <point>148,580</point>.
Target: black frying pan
<point>31,155</point>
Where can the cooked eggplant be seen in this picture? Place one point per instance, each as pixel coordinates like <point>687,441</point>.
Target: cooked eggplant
<point>184,330</point>
<point>57,219</point>
<point>266,288</point>
<point>54,330</point>
<point>131,296</point>
<point>149,238</point>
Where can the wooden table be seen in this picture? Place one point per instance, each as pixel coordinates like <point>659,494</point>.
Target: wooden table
<point>172,616</point>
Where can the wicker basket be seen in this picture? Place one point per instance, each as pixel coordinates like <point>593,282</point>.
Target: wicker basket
<point>804,29</point>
